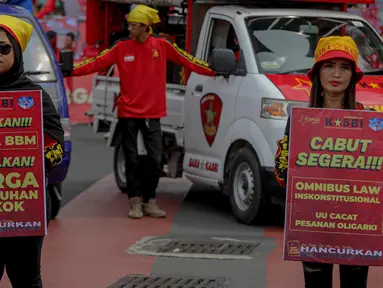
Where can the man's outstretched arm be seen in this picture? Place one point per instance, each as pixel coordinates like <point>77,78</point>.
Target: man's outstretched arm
<point>181,57</point>
<point>96,64</point>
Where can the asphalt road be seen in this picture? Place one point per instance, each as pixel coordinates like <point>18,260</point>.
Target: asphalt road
<point>91,161</point>
<point>201,215</point>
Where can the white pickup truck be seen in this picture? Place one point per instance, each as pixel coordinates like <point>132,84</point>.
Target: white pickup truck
<point>222,131</point>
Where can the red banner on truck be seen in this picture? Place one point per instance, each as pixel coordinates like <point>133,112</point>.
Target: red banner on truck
<point>334,211</point>
<point>22,177</point>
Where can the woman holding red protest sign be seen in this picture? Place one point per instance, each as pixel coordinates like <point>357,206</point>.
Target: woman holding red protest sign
<point>334,77</point>
<point>21,255</point>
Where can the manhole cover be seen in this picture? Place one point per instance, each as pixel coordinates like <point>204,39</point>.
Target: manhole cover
<point>215,248</point>
<point>198,249</point>
<point>138,281</point>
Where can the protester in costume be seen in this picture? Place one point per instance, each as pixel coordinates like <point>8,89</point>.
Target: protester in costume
<point>141,62</point>
<point>334,77</point>
<point>69,40</point>
<point>52,37</point>
<point>20,256</point>
<point>48,8</point>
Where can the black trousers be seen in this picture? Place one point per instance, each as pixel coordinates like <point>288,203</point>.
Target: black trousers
<point>139,186</point>
<point>319,275</point>
<point>21,258</point>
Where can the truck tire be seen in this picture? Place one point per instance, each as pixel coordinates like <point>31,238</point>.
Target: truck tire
<point>119,166</point>
<point>245,188</point>
<point>55,193</point>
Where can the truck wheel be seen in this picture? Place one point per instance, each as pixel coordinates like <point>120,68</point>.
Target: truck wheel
<point>55,192</point>
<point>119,167</point>
<point>245,187</point>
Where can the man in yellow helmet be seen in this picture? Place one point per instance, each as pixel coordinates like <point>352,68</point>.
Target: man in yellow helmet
<point>142,18</point>
<point>141,63</point>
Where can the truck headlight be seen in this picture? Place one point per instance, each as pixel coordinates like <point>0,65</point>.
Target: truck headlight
<point>279,109</point>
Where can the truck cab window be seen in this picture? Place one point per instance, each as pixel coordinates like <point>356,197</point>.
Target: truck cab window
<point>222,36</point>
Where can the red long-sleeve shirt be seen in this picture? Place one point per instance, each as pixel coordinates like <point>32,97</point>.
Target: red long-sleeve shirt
<point>142,68</point>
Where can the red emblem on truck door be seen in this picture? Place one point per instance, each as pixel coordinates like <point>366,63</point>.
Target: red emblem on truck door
<point>211,108</point>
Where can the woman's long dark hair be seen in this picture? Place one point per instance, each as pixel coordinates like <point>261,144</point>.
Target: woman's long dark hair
<point>316,94</point>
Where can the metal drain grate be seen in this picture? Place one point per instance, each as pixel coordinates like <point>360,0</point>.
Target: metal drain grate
<point>215,248</point>
<point>138,281</point>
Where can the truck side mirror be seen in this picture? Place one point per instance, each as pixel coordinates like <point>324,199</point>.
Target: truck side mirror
<point>66,64</point>
<point>223,62</point>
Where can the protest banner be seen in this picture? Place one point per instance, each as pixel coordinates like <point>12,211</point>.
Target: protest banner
<point>334,190</point>
<point>22,177</point>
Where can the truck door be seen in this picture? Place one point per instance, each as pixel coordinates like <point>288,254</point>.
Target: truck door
<point>210,105</point>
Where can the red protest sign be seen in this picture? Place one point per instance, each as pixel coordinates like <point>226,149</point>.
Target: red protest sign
<point>22,177</point>
<point>335,187</point>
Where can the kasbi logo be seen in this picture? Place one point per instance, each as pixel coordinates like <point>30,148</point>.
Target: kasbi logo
<point>344,123</point>
<point>376,124</point>
<point>26,102</point>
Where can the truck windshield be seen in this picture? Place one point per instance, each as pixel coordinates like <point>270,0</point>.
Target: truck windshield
<point>37,64</point>
<point>284,45</point>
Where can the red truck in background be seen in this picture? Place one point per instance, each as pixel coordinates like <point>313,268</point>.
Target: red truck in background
<point>98,39</point>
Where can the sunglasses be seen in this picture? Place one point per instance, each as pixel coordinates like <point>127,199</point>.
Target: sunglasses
<point>5,49</point>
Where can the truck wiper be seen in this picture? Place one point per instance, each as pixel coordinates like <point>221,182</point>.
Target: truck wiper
<point>374,72</point>
<point>26,73</point>
<point>297,71</point>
